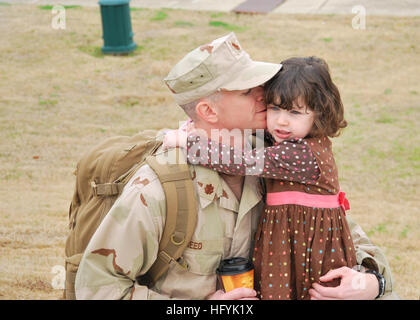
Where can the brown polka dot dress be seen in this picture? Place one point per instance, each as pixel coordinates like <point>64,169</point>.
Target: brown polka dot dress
<point>302,233</point>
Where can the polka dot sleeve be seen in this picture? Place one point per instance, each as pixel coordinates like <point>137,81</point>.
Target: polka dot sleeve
<point>289,160</point>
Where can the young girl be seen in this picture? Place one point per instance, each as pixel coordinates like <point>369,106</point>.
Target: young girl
<point>302,232</point>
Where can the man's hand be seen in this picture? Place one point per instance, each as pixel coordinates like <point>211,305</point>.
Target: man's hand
<point>235,294</point>
<point>353,286</point>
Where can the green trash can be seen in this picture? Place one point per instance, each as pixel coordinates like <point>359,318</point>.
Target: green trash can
<point>116,27</point>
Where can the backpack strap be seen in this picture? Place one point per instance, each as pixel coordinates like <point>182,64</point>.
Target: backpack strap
<point>106,189</point>
<point>181,216</point>
<point>116,187</point>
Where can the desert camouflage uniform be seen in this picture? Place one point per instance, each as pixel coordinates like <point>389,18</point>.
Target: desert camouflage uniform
<point>126,243</point>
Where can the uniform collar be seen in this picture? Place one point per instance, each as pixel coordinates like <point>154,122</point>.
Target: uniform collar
<point>211,187</point>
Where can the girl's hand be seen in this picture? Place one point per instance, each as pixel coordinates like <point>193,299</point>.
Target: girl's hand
<point>178,138</point>
<point>175,138</point>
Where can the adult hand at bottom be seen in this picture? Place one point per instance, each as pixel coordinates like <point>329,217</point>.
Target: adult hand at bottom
<point>353,286</point>
<point>235,294</point>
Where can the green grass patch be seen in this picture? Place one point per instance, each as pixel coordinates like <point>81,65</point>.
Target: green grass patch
<point>217,15</point>
<point>96,51</point>
<point>159,16</point>
<point>183,24</point>
<point>415,155</point>
<point>130,103</point>
<point>137,9</point>
<point>403,233</point>
<point>410,110</point>
<point>388,91</point>
<point>358,114</point>
<point>326,39</point>
<point>47,102</point>
<point>380,228</point>
<point>136,51</point>
<point>5,4</point>
<point>385,118</point>
<point>50,7</point>
<point>227,26</point>
<point>13,174</point>
<point>93,51</point>
<point>372,152</point>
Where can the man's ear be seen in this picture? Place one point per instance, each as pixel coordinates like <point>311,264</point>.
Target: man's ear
<point>206,111</point>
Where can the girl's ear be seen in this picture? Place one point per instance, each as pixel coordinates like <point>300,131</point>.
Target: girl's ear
<point>206,111</point>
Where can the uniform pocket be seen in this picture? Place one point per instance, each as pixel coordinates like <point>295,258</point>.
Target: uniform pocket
<point>227,246</point>
<point>202,263</point>
<point>203,256</point>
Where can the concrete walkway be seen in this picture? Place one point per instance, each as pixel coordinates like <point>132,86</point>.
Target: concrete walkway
<point>372,7</point>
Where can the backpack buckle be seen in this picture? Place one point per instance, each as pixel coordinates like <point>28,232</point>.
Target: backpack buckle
<point>166,258</point>
<point>180,236</point>
<point>182,263</point>
<point>106,189</point>
<point>94,188</point>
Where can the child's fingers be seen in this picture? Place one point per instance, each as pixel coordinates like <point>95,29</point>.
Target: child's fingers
<point>170,140</point>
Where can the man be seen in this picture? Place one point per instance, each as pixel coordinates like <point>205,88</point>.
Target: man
<point>219,87</point>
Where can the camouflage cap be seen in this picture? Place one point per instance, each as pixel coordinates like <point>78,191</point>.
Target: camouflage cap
<point>219,65</point>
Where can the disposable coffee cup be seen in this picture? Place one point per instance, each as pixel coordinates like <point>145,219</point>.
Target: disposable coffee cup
<point>235,273</point>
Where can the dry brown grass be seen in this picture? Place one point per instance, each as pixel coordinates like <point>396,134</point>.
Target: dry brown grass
<point>59,96</point>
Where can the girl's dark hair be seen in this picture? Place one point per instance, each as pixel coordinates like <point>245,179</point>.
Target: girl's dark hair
<point>308,79</point>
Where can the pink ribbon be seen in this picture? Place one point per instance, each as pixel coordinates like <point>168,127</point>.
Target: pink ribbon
<point>308,200</point>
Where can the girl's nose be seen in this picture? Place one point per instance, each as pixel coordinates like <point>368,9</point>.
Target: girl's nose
<point>282,118</point>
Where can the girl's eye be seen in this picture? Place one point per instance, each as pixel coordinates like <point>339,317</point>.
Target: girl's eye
<point>273,107</point>
<point>294,112</point>
<point>247,92</point>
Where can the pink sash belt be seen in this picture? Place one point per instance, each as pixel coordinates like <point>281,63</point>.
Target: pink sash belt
<point>308,200</point>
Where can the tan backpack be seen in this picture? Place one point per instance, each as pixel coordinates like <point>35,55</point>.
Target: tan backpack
<point>101,175</point>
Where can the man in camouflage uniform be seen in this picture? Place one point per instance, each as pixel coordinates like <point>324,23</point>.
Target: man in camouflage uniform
<point>218,86</point>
